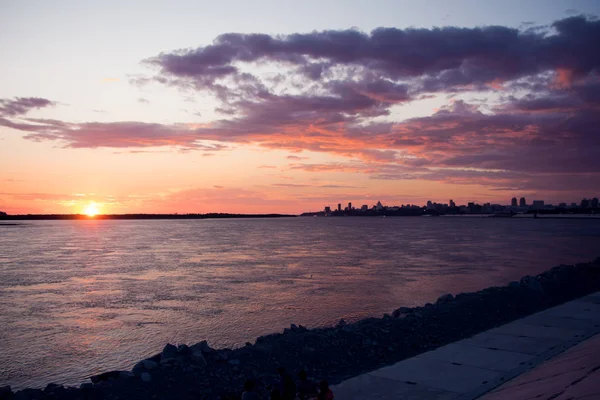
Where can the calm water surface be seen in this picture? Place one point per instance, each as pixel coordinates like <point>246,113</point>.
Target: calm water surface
<point>82,297</point>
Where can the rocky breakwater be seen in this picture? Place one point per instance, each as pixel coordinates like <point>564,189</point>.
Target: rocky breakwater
<point>334,353</point>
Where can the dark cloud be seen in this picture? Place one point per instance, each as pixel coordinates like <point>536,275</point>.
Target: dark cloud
<point>446,57</point>
<point>22,105</point>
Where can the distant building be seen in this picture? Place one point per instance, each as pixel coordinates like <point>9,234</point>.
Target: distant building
<point>537,204</point>
<point>429,205</point>
<point>339,207</point>
<point>513,202</point>
<point>585,203</point>
<point>327,210</point>
<point>379,206</point>
<point>451,203</point>
<point>364,207</point>
<point>350,206</point>
<point>595,202</point>
<point>471,206</point>
<point>563,205</point>
<point>522,202</point>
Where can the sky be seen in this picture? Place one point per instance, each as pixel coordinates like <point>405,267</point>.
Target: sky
<point>264,106</point>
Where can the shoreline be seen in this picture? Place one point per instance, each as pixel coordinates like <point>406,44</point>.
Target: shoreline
<point>334,353</point>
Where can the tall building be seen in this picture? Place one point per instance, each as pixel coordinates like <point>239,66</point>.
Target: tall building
<point>364,208</point>
<point>585,203</point>
<point>379,206</point>
<point>513,202</point>
<point>451,203</point>
<point>595,202</point>
<point>327,210</point>
<point>429,205</point>
<point>350,206</point>
<point>339,206</point>
<point>522,202</point>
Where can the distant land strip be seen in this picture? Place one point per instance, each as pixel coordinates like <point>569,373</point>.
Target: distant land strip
<point>37,217</point>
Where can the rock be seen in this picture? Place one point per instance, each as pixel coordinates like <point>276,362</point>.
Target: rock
<point>342,323</point>
<point>86,386</point>
<point>138,368</point>
<point>168,352</point>
<point>5,393</point>
<point>199,359</point>
<point>443,299</point>
<point>293,327</point>
<point>235,361</point>
<point>532,283</point>
<point>184,350</point>
<point>53,388</point>
<point>149,364</point>
<point>126,374</point>
<point>202,347</point>
<point>401,311</point>
<point>106,376</point>
<point>29,394</point>
<point>146,377</point>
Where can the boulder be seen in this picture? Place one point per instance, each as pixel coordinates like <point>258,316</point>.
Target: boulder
<point>125,375</point>
<point>184,350</point>
<point>199,359</point>
<point>201,347</point>
<point>168,352</point>
<point>105,376</point>
<point>532,283</point>
<point>5,393</point>
<point>53,388</point>
<point>138,368</point>
<point>29,394</point>
<point>401,311</point>
<point>146,377</point>
<point>149,364</point>
<point>445,298</point>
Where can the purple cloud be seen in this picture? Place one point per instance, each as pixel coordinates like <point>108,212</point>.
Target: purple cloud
<point>22,105</point>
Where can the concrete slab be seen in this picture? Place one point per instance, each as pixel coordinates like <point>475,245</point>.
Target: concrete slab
<point>438,374</point>
<point>521,328</point>
<point>591,299</point>
<point>561,322</point>
<point>576,309</point>
<point>516,344</point>
<point>480,357</point>
<point>371,387</point>
<point>575,374</point>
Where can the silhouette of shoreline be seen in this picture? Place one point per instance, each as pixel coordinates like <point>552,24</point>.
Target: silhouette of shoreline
<point>37,217</point>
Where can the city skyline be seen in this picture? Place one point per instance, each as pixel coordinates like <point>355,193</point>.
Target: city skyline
<point>521,202</point>
<point>118,108</point>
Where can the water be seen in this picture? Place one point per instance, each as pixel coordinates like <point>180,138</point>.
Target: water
<point>83,297</point>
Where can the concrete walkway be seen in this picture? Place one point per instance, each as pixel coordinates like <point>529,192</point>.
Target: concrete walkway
<point>574,374</point>
<point>469,368</point>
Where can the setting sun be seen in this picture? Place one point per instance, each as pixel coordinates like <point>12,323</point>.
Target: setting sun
<point>91,210</point>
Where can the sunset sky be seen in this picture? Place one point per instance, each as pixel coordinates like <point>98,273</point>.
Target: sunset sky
<point>260,106</point>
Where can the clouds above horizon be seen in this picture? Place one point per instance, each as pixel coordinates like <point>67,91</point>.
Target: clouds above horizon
<point>339,92</point>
